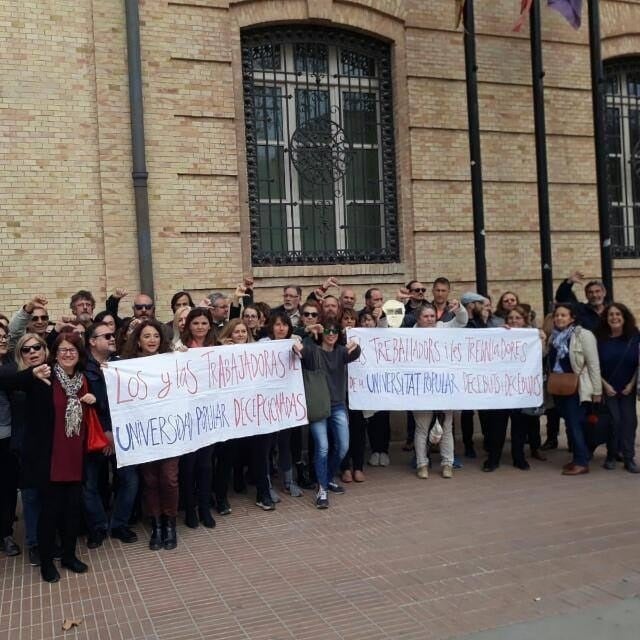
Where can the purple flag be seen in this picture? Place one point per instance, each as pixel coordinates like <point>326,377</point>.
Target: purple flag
<point>571,10</point>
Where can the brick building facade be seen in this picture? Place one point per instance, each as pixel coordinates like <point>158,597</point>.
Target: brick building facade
<point>68,218</point>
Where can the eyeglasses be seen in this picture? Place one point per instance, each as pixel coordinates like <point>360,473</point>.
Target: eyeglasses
<point>250,316</point>
<point>68,351</point>
<point>39,318</point>
<point>29,348</point>
<point>106,336</point>
<point>140,307</point>
<point>329,332</point>
<point>310,314</point>
<point>419,290</point>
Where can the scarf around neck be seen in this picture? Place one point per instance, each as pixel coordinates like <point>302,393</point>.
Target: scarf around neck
<point>73,411</point>
<point>560,341</point>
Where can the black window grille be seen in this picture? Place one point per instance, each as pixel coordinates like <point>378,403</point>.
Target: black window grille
<point>320,146</point>
<point>622,100</point>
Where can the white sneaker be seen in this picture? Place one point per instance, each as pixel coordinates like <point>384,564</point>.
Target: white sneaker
<point>447,471</point>
<point>423,471</point>
<point>374,460</point>
<point>384,460</point>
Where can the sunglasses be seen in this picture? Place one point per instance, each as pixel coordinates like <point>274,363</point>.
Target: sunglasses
<point>39,318</point>
<point>106,336</point>
<point>423,290</point>
<point>328,332</point>
<point>140,307</point>
<point>30,348</point>
<point>310,314</point>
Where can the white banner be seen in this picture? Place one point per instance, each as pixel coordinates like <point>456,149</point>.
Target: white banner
<point>166,405</point>
<point>424,369</point>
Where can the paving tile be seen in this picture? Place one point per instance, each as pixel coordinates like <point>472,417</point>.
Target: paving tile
<point>393,558</point>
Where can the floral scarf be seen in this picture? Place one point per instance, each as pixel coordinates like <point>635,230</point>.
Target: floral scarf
<point>73,412</point>
<point>560,341</point>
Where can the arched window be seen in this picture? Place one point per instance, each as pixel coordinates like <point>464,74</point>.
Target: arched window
<point>623,155</point>
<point>320,152</point>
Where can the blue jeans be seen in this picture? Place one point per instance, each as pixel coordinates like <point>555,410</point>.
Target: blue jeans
<point>31,513</point>
<point>127,478</point>
<point>574,415</point>
<point>327,462</point>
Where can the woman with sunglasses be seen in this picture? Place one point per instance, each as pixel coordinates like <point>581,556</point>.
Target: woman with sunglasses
<point>331,358</point>
<point>160,477</point>
<point>31,351</point>
<point>309,317</point>
<point>54,446</point>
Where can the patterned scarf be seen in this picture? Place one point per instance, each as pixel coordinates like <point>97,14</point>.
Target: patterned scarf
<point>73,412</point>
<point>560,341</point>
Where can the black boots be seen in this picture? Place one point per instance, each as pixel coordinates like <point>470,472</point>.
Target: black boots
<point>155,541</point>
<point>169,535</point>
<point>302,480</point>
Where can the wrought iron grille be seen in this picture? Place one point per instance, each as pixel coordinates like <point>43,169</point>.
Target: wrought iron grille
<point>320,146</point>
<point>623,155</point>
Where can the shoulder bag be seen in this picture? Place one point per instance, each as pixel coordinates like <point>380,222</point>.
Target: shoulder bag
<point>96,440</point>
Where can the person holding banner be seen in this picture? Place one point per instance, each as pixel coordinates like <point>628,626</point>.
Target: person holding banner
<point>54,446</point>
<point>331,358</point>
<point>573,358</point>
<point>236,332</point>
<point>427,319</point>
<point>525,423</point>
<point>196,468</point>
<point>160,477</point>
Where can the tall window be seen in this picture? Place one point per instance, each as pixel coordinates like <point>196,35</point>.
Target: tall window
<point>320,154</point>
<point>623,155</point>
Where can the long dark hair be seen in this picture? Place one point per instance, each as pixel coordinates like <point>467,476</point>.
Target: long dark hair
<point>282,317</point>
<point>131,349</point>
<point>186,337</point>
<point>629,326</point>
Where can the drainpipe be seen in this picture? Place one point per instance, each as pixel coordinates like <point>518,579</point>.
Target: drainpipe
<point>139,172</point>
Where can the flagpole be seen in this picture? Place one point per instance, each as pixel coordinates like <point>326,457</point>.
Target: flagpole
<point>597,96</point>
<point>471,69</point>
<point>537,75</point>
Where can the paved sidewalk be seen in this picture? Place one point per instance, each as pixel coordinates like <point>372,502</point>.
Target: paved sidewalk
<point>396,557</point>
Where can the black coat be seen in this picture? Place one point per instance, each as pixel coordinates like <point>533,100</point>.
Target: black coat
<point>37,439</point>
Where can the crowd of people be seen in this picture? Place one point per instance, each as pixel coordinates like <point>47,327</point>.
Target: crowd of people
<point>51,380</point>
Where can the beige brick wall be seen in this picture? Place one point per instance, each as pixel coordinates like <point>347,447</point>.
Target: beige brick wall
<point>68,217</point>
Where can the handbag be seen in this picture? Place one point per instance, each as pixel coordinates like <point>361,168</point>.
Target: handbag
<point>597,426</point>
<point>96,440</point>
<point>562,384</point>
<point>316,391</point>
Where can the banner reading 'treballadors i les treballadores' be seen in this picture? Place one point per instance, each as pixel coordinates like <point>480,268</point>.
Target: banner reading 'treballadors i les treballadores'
<point>423,369</point>
<point>166,405</point>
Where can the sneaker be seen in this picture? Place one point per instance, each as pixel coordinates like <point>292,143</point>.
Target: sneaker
<point>10,547</point>
<point>423,471</point>
<point>224,508</point>
<point>374,460</point>
<point>96,538</point>
<point>384,459</point>
<point>447,471</point>
<point>457,463</point>
<point>334,487</point>
<point>34,556</point>
<point>124,534</point>
<point>609,464</point>
<point>265,502</point>
<point>322,499</point>
<point>631,466</point>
